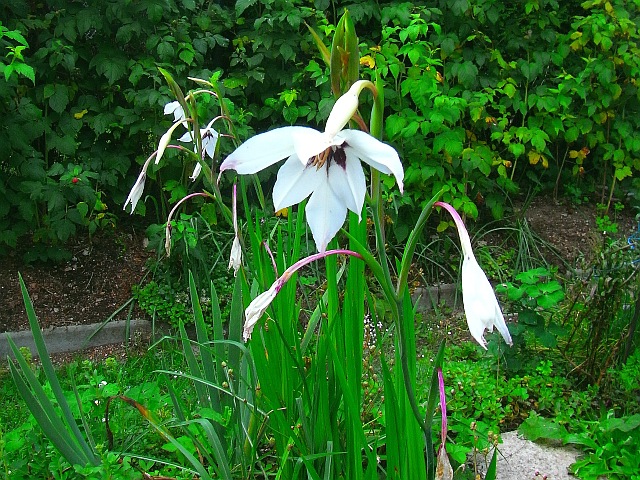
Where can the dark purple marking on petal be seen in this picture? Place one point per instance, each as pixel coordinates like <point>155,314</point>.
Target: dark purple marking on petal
<point>340,157</point>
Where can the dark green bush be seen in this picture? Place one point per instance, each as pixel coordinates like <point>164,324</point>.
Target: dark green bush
<point>484,97</point>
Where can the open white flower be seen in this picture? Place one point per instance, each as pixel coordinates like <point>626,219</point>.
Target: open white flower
<point>176,109</point>
<point>480,303</point>
<point>209,138</point>
<point>324,165</point>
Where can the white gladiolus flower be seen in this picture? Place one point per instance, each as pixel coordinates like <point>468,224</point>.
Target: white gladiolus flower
<point>196,172</point>
<point>480,303</point>
<point>209,138</point>
<point>176,109</point>
<point>323,165</point>
<point>257,307</point>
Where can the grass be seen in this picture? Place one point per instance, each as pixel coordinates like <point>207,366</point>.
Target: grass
<point>135,378</point>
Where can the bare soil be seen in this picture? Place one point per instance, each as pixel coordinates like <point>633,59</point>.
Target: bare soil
<point>86,289</point>
<point>98,279</point>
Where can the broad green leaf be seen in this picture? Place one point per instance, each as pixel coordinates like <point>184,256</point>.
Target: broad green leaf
<point>59,99</point>
<point>467,73</point>
<point>242,5</point>
<point>509,90</point>
<point>623,172</point>
<point>536,427</point>
<point>24,70</point>
<point>154,11</point>
<point>517,149</point>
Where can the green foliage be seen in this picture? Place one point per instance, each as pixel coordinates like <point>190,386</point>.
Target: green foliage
<point>610,444</point>
<point>163,303</point>
<point>603,314</point>
<point>96,86</point>
<point>197,248</point>
<point>481,402</point>
<point>536,297</point>
<point>478,106</point>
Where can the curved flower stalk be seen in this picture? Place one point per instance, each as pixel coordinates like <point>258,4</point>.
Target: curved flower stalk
<point>443,467</point>
<point>480,303</point>
<point>260,304</point>
<point>323,165</point>
<point>167,240</point>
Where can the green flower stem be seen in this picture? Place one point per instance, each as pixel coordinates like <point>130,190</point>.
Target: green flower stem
<point>406,372</point>
<point>377,270</point>
<point>407,256</point>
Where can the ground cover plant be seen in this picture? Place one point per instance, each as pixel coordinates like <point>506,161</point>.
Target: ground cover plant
<point>285,378</point>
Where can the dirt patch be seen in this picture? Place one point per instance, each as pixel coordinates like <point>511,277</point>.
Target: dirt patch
<point>86,289</point>
<point>572,229</point>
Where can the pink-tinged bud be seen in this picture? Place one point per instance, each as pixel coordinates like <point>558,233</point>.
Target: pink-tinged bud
<point>259,305</point>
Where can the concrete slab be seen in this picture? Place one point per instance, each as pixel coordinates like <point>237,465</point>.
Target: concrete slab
<point>521,459</point>
<point>445,294</point>
<point>76,337</point>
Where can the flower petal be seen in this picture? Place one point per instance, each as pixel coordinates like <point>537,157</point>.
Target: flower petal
<point>136,192</point>
<point>310,142</point>
<point>264,150</point>
<point>325,214</point>
<point>209,141</point>
<point>480,304</point>
<point>235,259</point>
<point>295,182</point>
<point>196,172</point>
<point>175,108</point>
<point>345,107</point>
<point>380,156</point>
<point>138,187</point>
<point>186,138</point>
<point>257,307</point>
<point>348,183</point>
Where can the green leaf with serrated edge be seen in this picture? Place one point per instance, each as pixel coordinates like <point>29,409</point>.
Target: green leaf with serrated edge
<point>59,99</point>
<point>550,300</point>
<point>24,70</point>
<point>242,5</point>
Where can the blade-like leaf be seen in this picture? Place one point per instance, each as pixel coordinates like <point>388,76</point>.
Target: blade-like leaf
<point>432,401</point>
<point>51,426</point>
<point>324,51</point>
<point>53,378</point>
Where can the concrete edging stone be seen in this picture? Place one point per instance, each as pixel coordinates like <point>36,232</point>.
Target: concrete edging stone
<point>72,338</point>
